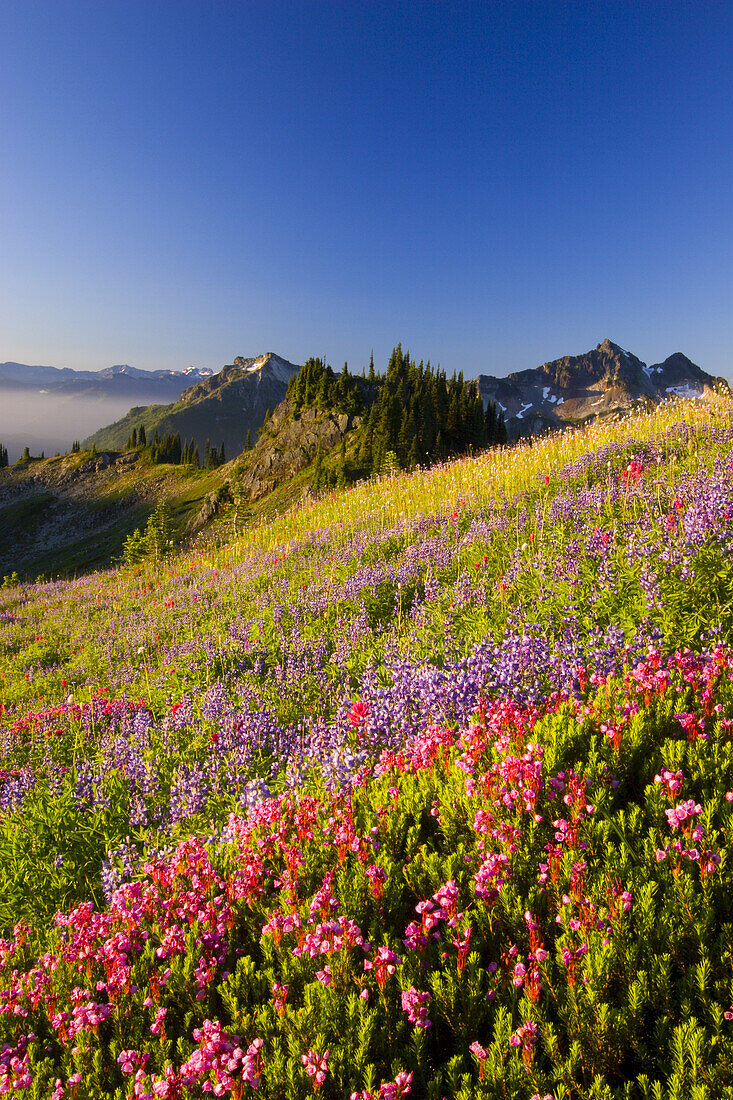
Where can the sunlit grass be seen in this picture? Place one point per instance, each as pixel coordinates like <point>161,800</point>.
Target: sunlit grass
<point>486,479</point>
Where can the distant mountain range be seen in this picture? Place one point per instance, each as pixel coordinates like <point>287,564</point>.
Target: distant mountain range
<point>46,408</point>
<point>225,406</point>
<point>605,380</point>
<point>165,385</point>
<point>222,408</point>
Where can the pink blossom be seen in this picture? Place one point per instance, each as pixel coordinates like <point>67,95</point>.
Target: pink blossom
<point>316,1066</point>
<point>414,1003</point>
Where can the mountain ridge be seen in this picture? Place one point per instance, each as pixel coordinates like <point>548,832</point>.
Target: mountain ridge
<point>224,407</point>
<point>25,374</point>
<point>606,380</point>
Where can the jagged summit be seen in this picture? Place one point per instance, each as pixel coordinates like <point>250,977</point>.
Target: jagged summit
<point>575,387</point>
<point>222,408</point>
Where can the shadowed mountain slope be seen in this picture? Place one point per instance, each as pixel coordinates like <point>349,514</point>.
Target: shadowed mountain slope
<point>222,408</point>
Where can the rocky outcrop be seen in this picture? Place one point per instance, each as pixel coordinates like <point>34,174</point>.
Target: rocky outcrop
<point>606,380</point>
<point>288,445</point>
<point>208,510</point>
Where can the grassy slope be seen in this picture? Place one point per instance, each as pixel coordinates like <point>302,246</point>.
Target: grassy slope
<point>57,519</point>
<point>115,436</point>
<point>268,624</point>
<point>294,538</point>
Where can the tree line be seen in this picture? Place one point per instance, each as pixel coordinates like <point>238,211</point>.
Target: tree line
<point>316,385</point>
<point>171,449</point>
<point>413,415</point>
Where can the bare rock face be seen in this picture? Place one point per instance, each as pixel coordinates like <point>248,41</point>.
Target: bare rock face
<point>98,462</point>
<point>206,513</point>
<point>286,446</point>
<point>606,380</point>
<point>129,458</point>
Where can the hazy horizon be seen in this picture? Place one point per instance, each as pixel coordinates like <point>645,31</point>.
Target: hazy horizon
<point>51,422</point>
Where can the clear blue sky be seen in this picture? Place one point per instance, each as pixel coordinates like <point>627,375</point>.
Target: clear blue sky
<point>494,184</point>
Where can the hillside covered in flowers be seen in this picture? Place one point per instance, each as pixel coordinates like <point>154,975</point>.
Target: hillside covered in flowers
<point>422,789</point>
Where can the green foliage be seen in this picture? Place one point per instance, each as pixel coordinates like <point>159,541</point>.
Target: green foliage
<point>155,542</point>
<point>167,449</point>
<point>316,385</point>
<point>414,413</point>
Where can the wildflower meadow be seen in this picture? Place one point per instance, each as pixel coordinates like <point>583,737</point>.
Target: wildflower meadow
<point>422,789</point>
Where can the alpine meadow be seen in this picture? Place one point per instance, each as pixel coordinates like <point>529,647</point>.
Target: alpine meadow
<point>366,550</point>
<point>422,787</point>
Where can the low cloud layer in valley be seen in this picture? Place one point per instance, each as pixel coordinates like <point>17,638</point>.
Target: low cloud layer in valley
<point>50,422</point>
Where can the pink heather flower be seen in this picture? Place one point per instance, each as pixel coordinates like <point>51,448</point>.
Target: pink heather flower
<point>462,943</point>
<point>690,724</point>
<point>129,1059</point>
<point>683,812</point>
<point>384,965</point>
<point>377,877</point>
<point>252,1064</point>
<point>671,781</point>
<point>158,1025</point>
<point>316,1066</point>
<point>279,997</point>
<point>526,1037</point>
<point>393,1090</point>
<point>414,1003</point>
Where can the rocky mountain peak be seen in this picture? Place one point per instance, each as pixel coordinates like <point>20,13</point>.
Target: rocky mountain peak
<point>574,388</point>
<point>222,408</point>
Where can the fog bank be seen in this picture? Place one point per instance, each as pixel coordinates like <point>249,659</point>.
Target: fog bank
<point>50,422</point>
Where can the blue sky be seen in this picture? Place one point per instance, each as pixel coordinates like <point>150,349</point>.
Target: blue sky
<point>493,184</point>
